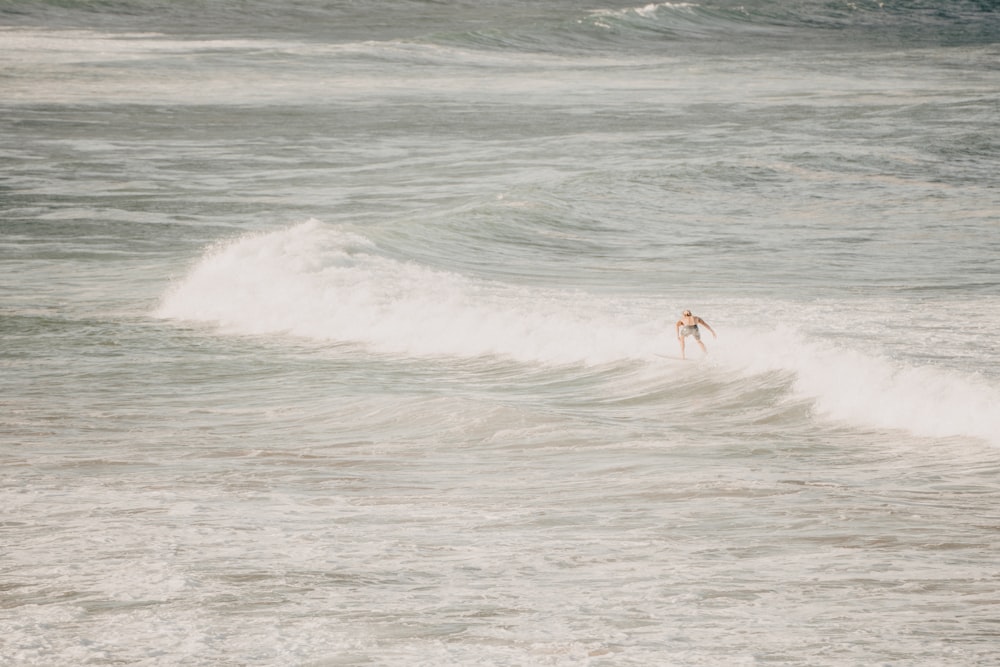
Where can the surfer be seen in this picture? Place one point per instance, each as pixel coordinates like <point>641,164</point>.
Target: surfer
<point>688,326</point>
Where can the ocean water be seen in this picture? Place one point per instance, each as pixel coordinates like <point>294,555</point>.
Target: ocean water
<point>342,333</point>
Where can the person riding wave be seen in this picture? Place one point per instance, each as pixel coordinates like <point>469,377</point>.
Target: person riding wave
<point>688,326</point>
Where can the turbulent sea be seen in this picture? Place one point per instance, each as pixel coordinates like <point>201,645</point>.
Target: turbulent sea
<point>342,333</point>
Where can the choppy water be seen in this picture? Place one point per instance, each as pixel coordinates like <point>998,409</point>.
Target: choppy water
<point>342,333</point>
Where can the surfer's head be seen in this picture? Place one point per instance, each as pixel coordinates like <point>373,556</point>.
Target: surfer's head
<point>686,313</point>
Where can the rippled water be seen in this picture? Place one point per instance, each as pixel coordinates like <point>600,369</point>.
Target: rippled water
<point>342,333</point>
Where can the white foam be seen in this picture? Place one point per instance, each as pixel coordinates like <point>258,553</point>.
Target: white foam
<point>871,391</point>
<point>47,46</point>
<point>318,282</point>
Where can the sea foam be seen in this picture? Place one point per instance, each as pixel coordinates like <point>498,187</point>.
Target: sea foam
<point>864,389</point>
<point>319,282</point>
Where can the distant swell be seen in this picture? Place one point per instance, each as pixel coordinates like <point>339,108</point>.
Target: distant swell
<point>915,21</point>
<point>551,26</point>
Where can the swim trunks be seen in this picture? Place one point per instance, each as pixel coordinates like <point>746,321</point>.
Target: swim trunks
<point>691,331</point>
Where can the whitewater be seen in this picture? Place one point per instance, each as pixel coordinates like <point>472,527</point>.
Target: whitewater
<point>319,284</point>
<point>344,333</point>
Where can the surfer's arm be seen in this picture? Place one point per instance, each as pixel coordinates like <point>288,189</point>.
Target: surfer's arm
<point>701,321</point>
<point>677,328</point>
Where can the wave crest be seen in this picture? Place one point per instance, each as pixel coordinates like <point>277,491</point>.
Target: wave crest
<point>326,284</point>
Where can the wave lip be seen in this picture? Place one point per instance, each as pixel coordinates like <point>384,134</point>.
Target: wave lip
<point>670,18</point>
<point>862,390</point>
<point>325,284</point>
